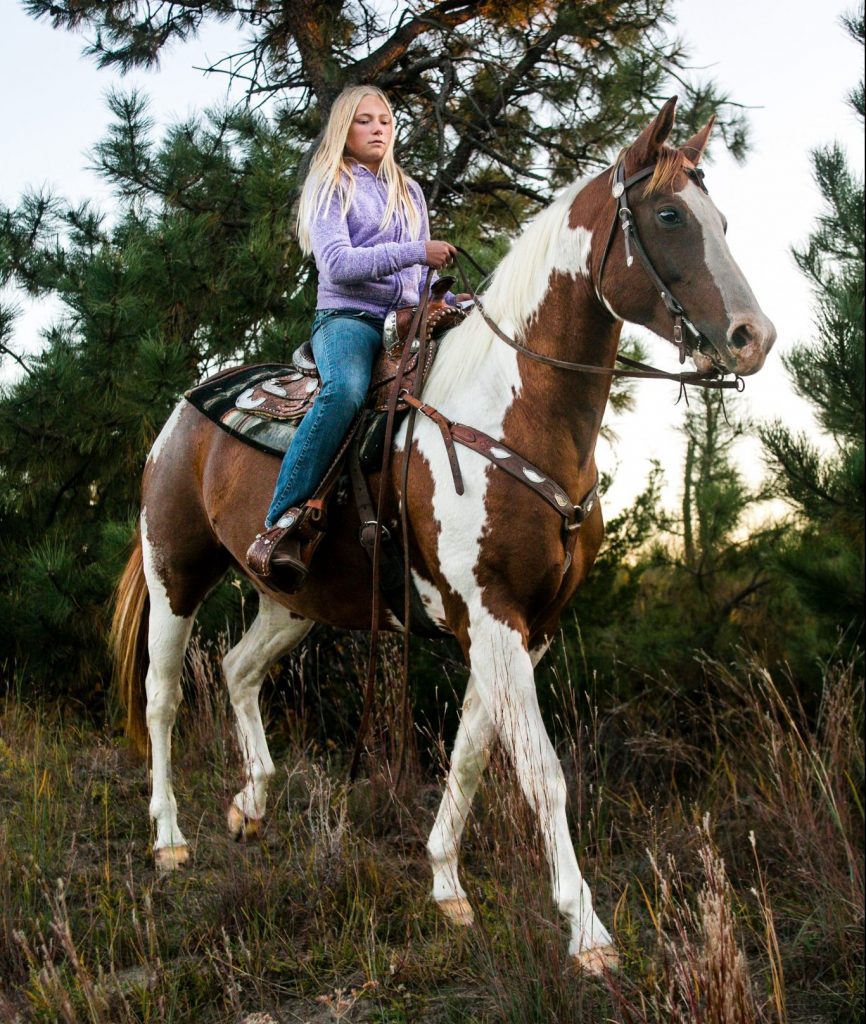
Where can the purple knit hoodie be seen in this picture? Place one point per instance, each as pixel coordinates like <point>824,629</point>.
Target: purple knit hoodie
<point>363,266</point>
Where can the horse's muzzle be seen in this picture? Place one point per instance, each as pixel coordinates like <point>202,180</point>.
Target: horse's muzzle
<point>748,341</point>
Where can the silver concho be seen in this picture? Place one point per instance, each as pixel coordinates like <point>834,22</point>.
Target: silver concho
<point>618,189</point>
<point>285,520</point>
<point>500,453</point>
<point>561,501</point>
<point>245,400</point>
<point>536,478</point>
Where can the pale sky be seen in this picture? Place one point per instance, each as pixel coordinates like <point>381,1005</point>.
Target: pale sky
<point>791,63</point>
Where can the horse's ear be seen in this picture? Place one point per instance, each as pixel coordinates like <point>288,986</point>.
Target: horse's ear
<point>646,146</point>
<point>694,148</point>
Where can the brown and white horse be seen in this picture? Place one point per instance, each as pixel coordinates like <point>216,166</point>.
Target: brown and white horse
<point>490,564</point>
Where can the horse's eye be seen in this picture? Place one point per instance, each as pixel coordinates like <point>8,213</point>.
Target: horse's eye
<point>669,215</point>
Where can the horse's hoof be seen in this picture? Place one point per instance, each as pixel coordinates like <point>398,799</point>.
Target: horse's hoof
<point>457,911</point>
<point>598,961</point>
<point>240,826</point>
<point>170,858</point>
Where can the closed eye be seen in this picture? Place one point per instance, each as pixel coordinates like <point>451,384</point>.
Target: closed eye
<point>669,216</point>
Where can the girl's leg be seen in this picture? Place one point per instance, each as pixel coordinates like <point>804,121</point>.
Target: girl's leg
<point>345,346</point>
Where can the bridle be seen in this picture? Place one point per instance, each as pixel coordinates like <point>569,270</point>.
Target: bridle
<point>624,218</point>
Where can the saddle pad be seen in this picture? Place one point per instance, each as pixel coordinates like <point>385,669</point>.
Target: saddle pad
<point>216,398</point>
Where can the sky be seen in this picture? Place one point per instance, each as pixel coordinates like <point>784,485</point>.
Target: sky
<point>791,65</point>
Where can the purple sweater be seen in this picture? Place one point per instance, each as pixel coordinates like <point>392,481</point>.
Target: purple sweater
<point>363,266</point>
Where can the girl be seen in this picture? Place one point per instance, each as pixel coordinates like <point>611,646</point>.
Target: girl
<point>365,222</point>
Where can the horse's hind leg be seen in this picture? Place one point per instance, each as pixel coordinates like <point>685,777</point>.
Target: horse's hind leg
<point>275,632</point>
<point>171,620</point>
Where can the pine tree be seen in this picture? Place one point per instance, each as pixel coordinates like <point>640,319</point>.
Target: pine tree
<point>704,584</point>
<point>502,99</point>
<point>825,559</point>
<point>670,585</point>
<point>198,268</point>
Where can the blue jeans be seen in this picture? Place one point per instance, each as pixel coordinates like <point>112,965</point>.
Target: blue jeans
<point>345,343</point>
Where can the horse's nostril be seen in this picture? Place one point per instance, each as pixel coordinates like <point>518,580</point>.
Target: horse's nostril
<point>742,336</point>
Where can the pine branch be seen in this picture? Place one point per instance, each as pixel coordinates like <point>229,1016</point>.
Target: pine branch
<point>446,15</point>
<point>490,109</point>
<point>18,359</point>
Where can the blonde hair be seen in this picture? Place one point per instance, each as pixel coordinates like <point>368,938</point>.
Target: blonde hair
<point>330,171</point>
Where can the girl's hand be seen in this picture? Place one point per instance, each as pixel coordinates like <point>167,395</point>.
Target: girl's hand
<point>439,254</point>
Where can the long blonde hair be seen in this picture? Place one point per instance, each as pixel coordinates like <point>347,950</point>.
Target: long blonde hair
<point>330,171</point>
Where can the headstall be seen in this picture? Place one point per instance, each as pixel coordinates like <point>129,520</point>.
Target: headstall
<point>626,220</point>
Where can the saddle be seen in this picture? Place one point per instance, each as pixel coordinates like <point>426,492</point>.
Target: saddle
<point>290,396</point>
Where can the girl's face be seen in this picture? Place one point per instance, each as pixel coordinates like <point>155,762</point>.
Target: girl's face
<point>370,133</point>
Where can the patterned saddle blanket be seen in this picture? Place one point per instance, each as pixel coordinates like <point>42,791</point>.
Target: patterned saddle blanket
<point>262,405</point>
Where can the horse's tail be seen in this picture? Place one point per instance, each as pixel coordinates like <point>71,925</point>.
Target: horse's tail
<point>128,641</point>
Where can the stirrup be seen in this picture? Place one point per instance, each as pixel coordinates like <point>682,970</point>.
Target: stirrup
<point>277,552</point>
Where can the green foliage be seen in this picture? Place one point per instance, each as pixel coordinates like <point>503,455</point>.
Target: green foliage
<point>192,275</point>
<point>669,585</point>
<point>825,563</point>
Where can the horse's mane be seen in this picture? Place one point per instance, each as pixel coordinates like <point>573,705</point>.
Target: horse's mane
<point>512,299</point>
<point>669,164</point>
<point>517,287</point>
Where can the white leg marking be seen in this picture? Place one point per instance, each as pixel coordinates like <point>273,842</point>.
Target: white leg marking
<point>168,635</point>
<point>468,760</point>
<point>504,678</point>
<point>274,632</point>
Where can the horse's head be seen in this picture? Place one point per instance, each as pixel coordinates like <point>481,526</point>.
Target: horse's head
<point>672,270</point>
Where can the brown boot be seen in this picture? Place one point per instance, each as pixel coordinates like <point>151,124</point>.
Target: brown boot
<point>277,553</point>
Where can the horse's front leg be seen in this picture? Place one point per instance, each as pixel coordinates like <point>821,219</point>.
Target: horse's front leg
<point>468,760</point>
<point>504,679</point>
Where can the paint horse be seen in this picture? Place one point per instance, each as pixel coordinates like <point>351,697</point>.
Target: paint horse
<point>493,565</point>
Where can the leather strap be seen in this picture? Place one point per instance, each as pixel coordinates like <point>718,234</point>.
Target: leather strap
<point>419,320</point>
<point>445,427</point>
<point>513,463</point>
<point>391,571</point>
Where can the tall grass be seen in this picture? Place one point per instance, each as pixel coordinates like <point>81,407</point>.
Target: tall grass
<point>721,834</point>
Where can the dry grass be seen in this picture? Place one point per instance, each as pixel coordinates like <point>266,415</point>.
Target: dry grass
<point>723,837</point>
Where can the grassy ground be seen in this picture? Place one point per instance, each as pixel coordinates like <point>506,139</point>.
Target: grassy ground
<point>722,838</point>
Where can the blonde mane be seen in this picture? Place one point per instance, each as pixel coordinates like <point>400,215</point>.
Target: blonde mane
<point>670,163</point>
<point>512,298</point>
